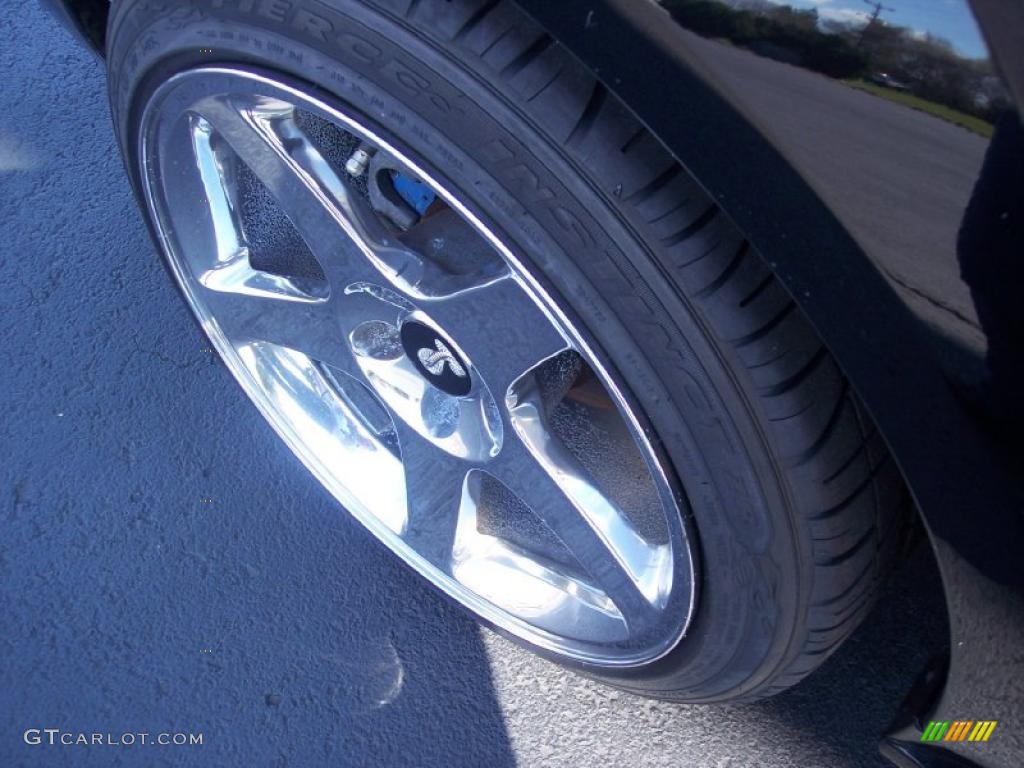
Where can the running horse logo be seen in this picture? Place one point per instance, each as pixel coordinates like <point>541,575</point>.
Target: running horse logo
<point>434,360</point>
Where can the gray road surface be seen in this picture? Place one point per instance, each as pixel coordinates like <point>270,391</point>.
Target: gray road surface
<point>265,619</point>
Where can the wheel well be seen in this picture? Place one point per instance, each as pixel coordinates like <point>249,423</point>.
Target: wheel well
<point>89,18</point>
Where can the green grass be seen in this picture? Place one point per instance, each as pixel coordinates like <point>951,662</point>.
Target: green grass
<point>971,123</point>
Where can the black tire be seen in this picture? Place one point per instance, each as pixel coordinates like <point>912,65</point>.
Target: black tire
<point>794,497</point>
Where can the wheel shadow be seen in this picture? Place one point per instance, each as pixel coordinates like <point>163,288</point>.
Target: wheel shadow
<point>850,701</point>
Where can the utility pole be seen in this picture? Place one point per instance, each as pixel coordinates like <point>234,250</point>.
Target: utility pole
<point>877,9</point>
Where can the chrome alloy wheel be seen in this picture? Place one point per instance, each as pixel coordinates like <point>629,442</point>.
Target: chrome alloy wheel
<point>422,374</point>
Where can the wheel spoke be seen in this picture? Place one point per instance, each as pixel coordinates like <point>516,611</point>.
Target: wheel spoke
<point>434,483</point>
<point>547,499</point>
<point>339,227</point>
<point>511,575</point>
<point>219,180</point>
<point>304,326</point>
<point>503,332</point>
<point>551,481</point>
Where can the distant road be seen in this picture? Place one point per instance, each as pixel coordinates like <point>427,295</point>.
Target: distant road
<point>898,179</point>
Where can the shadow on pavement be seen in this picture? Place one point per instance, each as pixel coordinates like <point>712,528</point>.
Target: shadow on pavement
<point>851,700</point>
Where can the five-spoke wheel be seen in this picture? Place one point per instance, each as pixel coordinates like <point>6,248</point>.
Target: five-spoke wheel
<point>418,368</point>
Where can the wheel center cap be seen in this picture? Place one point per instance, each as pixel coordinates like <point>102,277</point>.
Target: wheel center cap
<point>435,358</point>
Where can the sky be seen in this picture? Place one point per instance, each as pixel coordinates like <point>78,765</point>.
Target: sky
<point>950,19</point>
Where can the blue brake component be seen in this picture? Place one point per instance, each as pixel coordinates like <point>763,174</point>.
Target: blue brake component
<point>417,194</point>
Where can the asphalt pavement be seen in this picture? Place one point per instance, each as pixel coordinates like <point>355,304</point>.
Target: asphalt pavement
<point>167,566</point>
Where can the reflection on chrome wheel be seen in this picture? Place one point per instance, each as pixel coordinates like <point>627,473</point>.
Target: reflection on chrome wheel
<point>416,366</point>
